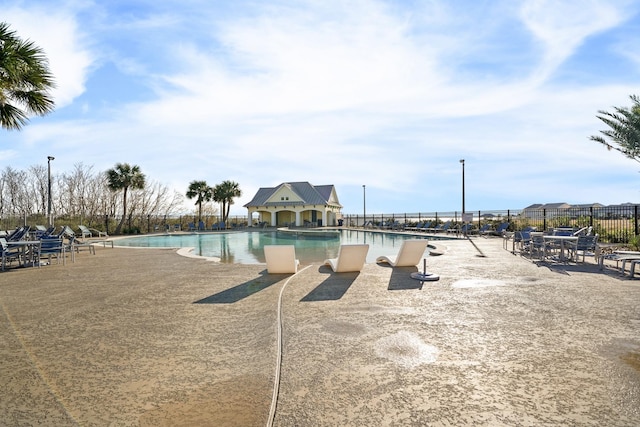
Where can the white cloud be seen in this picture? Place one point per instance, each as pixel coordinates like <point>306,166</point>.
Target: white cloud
<point>56,32</point>
<point>382,94</point>
<point>561,27</point>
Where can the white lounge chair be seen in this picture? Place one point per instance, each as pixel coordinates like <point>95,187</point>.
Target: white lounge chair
<point>350,258</point>
<point>281,259</point>
<point>617,256</point>
<point>409,254</point>
<point>89,232</point>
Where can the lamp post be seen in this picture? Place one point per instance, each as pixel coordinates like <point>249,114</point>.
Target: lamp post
<point>49,158</point>
<point>462,162</point>
<point>364,205</point>
<point>463,209</point>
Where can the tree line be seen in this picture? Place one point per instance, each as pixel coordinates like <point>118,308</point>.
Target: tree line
<point>122,192</point>
<point>82,193</point>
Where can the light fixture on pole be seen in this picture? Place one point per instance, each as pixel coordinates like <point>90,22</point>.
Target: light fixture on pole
<point>364,205</point>
<point>462,162</point>
<point>49,158</point>
<point>463,208</point>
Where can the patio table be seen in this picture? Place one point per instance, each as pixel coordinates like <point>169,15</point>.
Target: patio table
<point>24,246</point>
<point>563,240</point>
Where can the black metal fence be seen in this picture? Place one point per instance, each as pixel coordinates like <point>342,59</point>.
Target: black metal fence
<point>132,225</point>
<point>615,224</point>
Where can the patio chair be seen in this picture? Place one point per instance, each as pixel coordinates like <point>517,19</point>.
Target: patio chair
<point>413,227</point>
<point>8,254</point>
<point>586,245</point>
<point>281,259</point>
<point>76,245</point>
<point>500,230</point>
<point>563,231</point>
<point>483,230</point>
<point>420,226</point>
<point>518,239</point>
<point>351,258</point>
<point>409,254</point>
<point>440,227</point>
<point>425,226</point>
<point>86,231</point>
<point>52,247</point>
<point>584,231</point>
<point>18,234</point>
<point>537,245</point>
<point>40,231</point>
<point>464,229</point>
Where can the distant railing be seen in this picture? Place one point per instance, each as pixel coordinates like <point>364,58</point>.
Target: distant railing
<point>133,225</point>
<point>615,224</point>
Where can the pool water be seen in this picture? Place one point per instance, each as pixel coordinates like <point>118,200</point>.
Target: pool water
<point>247,247</point>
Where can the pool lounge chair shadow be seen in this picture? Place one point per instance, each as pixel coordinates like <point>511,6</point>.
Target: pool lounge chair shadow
<point>401,279</point>
<point>569,268</point>
<point>243,290</point>
<point>332,288</point>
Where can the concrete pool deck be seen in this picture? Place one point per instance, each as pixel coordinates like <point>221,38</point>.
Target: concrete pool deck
<point>147,337</point>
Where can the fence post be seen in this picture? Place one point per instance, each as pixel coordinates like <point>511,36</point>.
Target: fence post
<point>544,220</point>
<point>635,218</point>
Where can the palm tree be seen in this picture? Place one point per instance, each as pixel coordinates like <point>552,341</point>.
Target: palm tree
<point>24,80</point>
<point>202,192</point>
<point>122,177</point>
<point>624,132</point>
<point>224,193</point>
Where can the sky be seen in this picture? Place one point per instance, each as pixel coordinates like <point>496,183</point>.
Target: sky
<point>389,95</point>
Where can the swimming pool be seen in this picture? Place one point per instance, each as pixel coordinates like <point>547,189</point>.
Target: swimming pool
<point>246,247</point>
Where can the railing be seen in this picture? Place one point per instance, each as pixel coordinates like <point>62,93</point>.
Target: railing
<point>615,224</point>
<point>133,225</point>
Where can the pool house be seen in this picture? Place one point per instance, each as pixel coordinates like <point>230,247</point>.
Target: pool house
<point>296,204</point>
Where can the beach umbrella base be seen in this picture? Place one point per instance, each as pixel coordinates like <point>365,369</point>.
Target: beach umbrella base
<point>424,276</point>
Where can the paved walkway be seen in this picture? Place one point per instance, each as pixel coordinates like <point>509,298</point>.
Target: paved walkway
<point>146,337</point>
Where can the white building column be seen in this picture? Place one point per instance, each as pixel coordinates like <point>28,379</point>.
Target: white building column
<point>274,218</point>
<point>324,218</point>
<point>297,218</point>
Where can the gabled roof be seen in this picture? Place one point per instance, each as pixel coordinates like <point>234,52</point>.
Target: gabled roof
<point>588,205</point>
<point>534,206</point>
<point>559,205</point>
<point>308,195</point>
<point>562,205</point>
